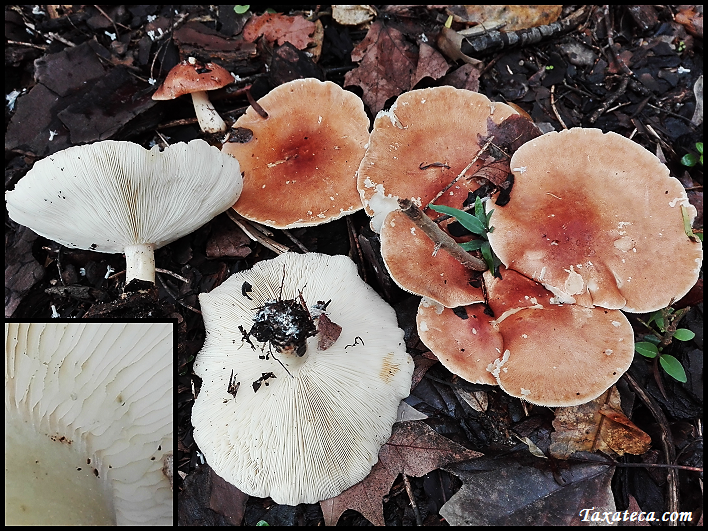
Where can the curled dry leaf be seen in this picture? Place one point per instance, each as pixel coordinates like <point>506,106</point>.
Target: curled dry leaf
<point>280,29</point>
<point>597,425</point>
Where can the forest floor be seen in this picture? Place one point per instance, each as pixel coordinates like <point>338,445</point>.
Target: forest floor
<point>84,74</point>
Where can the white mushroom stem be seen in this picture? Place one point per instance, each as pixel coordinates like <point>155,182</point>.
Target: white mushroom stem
<point>140,262</point>
<point>209,120</point>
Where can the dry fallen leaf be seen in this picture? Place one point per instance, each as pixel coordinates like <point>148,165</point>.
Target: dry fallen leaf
<point>523,490</point>
<point>413,449</point>
<point>512,18</point>
<point>352,15</point>
<point>281,29</point>
<point>598,425</point>
<point>389,65</point>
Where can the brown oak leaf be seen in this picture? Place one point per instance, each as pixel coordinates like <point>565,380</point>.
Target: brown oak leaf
<point>388,61</point>
<point>281,29</point>
<point>598,425</point>
<point>413,449</point>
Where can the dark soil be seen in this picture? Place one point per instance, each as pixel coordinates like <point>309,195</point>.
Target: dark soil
<point>83,73</point>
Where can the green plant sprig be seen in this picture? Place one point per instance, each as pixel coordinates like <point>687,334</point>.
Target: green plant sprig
<point>663,325</point>
<point>477,223</point>
<point>691,159</point>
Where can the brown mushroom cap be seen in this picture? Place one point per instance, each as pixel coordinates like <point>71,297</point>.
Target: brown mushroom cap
<point>596,218</point>
<point>563,355</point>
<point>300,163</point>
<point>188,77</point>
<point>416,149</point>
<point>416,266</point>
<point>464,340</point>
<point>555,355</point>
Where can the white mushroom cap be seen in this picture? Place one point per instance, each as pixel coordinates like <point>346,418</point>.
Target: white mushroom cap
<point>104,389</point>
<point>308,437</point>
<point>116,197</point>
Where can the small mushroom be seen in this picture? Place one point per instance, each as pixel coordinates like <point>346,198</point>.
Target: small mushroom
<point>118,197</point>
<point>419,150</point>
<point>277,415</point>
<point>299,164</point>
<point>195,78</point>
<point>88,423</point>
<point>597,220</point>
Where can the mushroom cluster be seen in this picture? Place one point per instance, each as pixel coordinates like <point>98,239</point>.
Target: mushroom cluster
<point>596,233</point>
<point>303,369</point>
<point>118,197</point>
<point>88,423</point>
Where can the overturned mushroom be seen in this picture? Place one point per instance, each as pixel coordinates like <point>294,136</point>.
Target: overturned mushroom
<point>118,197</point>
<point>88,423</point>
<point>300,162</point>
<point>597,220</point>
<point>278,415</point>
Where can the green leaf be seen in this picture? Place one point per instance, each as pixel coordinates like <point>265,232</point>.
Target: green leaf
<point>262,523</point>
<point>699,147</point>
<point>479,210</point>
<point>683,334</point>
<point>473,245</point>
<point>466,219</point>
<point>488,256</point>
<point>646,349</point>
<point>690,160</point>
<point>240,10</point>
<point>673,367</point>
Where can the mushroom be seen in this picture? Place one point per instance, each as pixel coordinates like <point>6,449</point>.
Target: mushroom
<point>299,164</point>
<point>463,339</point>
<point>88,423</point>
<point>118,197</point>
<point>555,355</point>
<point>279,416</point>
<point>195,78</point>
<point>597,220</point>
<point>426,148</point>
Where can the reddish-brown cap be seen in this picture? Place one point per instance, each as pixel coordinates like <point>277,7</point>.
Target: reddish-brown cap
<point>555,355</point>
<point>188,77</point>
<point>417,149</point>
<point>300,162</point>
<point>598,220</point>
<point>418,267</point>
<point>463,339</point>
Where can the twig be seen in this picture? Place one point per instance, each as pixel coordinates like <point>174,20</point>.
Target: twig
<point>462,173</point>
<point>295,240</point>
<point>256,106</point>
<point>553,106</point>
<point>494,41</point>
<point>667,442</point>
<point>439,237</point>
<point>355,246</point>
<point>409,490</point>
<point>609,101</point>
<point>168,272</point>
<point>255,235</point>
<point>174,295</point>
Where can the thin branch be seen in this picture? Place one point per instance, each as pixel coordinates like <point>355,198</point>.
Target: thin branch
<point>256,235</point>
<point>440,238</point>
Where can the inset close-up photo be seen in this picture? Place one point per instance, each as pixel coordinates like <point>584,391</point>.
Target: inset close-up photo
<point>88,423</point>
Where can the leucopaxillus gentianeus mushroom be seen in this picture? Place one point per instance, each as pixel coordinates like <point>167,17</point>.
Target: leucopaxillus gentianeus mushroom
<point>303,369</point>
<point>599,236</point>
<point>598,220</point>
<point>88,423</point>
<point>118,197</point>
<point>431,145</point>
<point>300,155</point>
<point>193,77</point>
